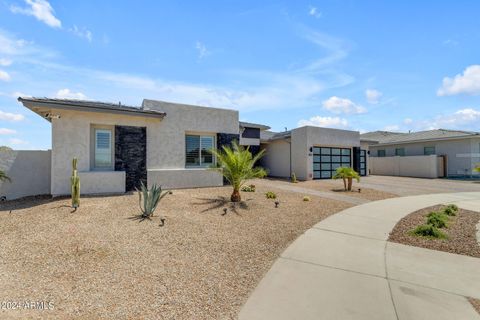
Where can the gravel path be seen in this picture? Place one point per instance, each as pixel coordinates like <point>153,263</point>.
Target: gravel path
<point>99,263</point>
<point>461,232</point>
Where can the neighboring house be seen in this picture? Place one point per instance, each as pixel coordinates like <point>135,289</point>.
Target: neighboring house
<point>118,146</point>
<point>459,150</point>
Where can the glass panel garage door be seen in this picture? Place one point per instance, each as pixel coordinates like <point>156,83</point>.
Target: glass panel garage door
<point>326,160</point>
<point>363,162</point>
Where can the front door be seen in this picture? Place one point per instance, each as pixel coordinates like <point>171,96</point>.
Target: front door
<point>131,155</point>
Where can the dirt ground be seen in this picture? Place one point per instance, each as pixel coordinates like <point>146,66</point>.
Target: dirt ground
<point>101,263</point>
<point>461,232</point>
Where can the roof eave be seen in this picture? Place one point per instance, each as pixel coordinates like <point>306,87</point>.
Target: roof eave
<point>426,140</point>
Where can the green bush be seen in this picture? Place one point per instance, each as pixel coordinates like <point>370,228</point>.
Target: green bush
<point>250,188</point>
<point>437,219</point>
<point>450,210</point>
<point>429,231</point>
<point>293,178</point>
<point>270,195</point>
<point>306,198</point>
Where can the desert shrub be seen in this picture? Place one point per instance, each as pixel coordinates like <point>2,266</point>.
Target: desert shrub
<point>306,198</point>
<point>437,219</point>
<point>151,197</point>
<point>249,188</point>
<point>270,195</point>
<point>427,230</point>
<point>450,210</point>
<point>293,178</point>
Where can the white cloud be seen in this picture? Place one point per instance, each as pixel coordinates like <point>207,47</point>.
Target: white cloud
<point>68,94</point>
<point>373,96</point>
<point>407,121</point>
<point>11,116</point>
<point>4,76</point>
<point>5,62</point>
<point>82,33</point>
<point>5,131</point>
<point>314,12</point>
<point>393,127</point>
<point>41,10</point>
<point>202,50</point>
<point>468,82</point>
<point>17,142</point>
<point>340,105</point>
<point>328,122</point>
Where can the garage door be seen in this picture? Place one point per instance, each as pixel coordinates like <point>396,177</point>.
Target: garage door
<point>326,160</point>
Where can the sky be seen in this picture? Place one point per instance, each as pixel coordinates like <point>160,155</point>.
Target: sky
<point>357,65</point>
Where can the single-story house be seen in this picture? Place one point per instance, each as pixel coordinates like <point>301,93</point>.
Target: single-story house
<point>457,152</point>
<point>118,146</point>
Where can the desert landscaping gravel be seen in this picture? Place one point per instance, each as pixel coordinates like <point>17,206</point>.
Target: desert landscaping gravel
<point>99,263</point>
<point>461,232</point>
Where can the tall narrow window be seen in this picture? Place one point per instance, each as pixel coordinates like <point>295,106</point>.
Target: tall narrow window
<point>103,148</point>
<point>428,150</point>
<point>197,151</point>
<point>400,152</point>
<point>380,153</point>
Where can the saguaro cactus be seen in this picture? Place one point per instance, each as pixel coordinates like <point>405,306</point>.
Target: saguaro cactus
<point>75,183</point>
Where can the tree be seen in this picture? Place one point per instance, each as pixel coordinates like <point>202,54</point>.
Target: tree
<point>4,177</point>
<point>237,165</point>
<point>347,174</point>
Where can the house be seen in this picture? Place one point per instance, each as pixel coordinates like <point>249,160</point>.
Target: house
<point>168,144</point>
<point>458,152</point>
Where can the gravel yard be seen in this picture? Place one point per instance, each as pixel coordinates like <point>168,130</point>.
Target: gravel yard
<point>461,232</point>
<point>99,263</point>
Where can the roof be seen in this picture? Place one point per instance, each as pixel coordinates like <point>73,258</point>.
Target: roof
<point>38,104</point>
<point>377,135</point>
<point>253,125</point>
<point>428,135</point>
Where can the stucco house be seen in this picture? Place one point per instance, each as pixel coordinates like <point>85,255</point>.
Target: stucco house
<point>118,146</point>
<point>453,152</point>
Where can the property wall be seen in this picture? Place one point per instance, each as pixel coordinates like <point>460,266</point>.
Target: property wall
<point>277,158</point>
<point>184,178</point>
<point>102,182</point>
<point>29,171</point>
<point>462,154</point>
<point>408,166</point>
<point>165,138</point>
<point>305,137</point>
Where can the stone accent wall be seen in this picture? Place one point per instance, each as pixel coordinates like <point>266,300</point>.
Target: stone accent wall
<point>254,150</point>
<point>131,154</point>
<point>226,139</point>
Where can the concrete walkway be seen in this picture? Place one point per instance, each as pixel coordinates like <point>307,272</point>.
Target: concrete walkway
<point>343,268</point>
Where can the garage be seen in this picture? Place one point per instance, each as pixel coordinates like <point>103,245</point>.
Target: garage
<point>327,159</point>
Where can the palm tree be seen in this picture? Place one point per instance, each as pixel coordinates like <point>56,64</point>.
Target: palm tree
<point>4,177</point>
<point>237,165</point>
<point>347,174</point>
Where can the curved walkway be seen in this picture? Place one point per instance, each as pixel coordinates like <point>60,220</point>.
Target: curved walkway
<point>344,268</point>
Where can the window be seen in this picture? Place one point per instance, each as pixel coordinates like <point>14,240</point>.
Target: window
<point>400,152</point>
<point>103,149</point>
<point>428,150</point>
<point>381,153</point>
<point>197,151</point>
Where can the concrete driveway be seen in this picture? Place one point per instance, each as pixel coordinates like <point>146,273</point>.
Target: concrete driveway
<point>344,268</point>
<point>404,186</point>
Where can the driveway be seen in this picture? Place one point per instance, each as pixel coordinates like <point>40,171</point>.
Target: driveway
<point>344,268</point>
<point>404,186</point>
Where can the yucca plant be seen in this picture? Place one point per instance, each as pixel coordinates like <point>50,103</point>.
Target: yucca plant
<point>75,185</point>
<point>237,165</point>
<point>150,198</point>
<point>4,177</point>
<point>347,174</point>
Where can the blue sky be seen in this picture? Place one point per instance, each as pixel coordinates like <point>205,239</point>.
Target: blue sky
<point>359,65</point>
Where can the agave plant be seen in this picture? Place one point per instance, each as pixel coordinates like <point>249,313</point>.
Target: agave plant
<point>237,165</point>
<point>151,198</point>
<point>4,177</point>
<point>347,174</point>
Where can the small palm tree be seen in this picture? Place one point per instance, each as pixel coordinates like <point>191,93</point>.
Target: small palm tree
<point>237,165</point>
<point>347,174</point>
<point>4,177</point>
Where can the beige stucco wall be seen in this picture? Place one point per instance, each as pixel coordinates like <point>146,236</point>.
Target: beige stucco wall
<point>305,137</point>
<point>462,154</point>
<point>185,178</point>
<point>29,171</point>
<point>277,158</point>
<point>165,139</point>
<point>409,166</point>
<point>102,182</point>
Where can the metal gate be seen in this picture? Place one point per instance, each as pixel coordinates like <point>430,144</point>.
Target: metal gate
<point>327,159</point>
